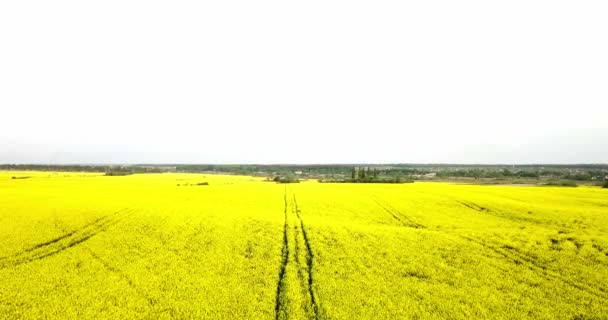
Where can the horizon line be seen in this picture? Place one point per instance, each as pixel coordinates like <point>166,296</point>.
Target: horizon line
<point>304,164</point>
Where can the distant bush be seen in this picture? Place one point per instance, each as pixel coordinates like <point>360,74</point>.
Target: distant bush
<point>605,185</point>
<point>112,174</point>
<point>193,184</point>
<point>284,179</point>
<point>560,184</point>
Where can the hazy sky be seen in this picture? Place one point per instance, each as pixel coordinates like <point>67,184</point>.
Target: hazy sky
<point>303,81</point>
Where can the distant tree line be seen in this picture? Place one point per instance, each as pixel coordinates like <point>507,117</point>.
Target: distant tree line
<point>111,170</point>
<point>579,175</point>
<point>352,172</point>
<point>367,175</point>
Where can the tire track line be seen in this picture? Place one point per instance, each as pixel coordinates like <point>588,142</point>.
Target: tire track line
<point>122,275</point>
<point>64,242</point>
<point>67,235</point>
<point>473,206</point>
<point>309,260</point>
<point>520,258</point>
<point>296,270</point>
<point>284,260</point>
<point>398,215</point>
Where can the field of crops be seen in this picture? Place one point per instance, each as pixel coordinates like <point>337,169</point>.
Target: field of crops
<point>164,246</point>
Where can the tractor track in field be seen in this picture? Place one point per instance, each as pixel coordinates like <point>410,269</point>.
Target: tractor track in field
<point>63,242</point>
<point>121,274</point>
<point>473,206</point>
<point>303,270</point>
<point>500,214</point>
<point>521,258</point>
<point>284,260</point>
<point>309,259</point>
<point>398,215</point>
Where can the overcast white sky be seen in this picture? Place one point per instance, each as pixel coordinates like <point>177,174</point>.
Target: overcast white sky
<point>303,82</point>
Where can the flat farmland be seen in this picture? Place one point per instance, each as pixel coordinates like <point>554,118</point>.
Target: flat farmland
<point>168,246</point>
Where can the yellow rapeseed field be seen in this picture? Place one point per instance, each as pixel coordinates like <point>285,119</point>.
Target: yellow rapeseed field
<point>161,246</point>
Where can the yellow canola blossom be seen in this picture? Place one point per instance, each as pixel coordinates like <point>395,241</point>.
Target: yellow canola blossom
<point>169,246</point>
